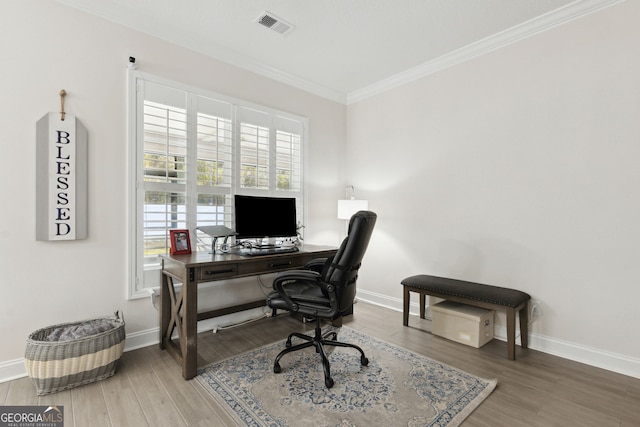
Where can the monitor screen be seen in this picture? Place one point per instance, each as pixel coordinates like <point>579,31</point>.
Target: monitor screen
<point>259,217</point>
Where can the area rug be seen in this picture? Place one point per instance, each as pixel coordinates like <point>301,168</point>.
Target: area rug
<point>397,388</point>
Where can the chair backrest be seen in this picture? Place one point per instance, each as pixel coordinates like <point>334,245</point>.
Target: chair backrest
<point>342,271</point>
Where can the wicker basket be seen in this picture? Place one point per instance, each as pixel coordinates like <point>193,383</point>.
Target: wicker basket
<point>60,365</point>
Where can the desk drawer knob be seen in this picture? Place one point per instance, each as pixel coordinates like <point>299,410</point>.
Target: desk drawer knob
<point>280,265</point>
<point>212,272</point>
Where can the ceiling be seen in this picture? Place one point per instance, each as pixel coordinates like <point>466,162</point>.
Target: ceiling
<point>344,50</point>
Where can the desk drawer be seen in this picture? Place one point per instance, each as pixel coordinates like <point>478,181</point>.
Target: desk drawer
<point>215,272</point>
<point>259,266</point>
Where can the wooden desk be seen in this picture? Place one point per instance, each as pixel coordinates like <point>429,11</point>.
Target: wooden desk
<point>180,312</point>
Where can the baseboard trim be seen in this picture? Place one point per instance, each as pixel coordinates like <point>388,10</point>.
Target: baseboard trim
<point>567,350</point>
<point>14,369</point>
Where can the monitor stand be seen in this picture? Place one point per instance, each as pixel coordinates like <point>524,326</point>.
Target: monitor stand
<point>265,245</point>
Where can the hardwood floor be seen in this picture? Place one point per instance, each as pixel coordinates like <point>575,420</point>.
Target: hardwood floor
<point>534,390</point>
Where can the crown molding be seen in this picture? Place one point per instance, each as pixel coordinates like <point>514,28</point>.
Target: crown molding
<point>220,53</point>
<point>512,35</point>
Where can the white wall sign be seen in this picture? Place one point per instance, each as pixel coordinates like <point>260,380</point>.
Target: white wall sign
<point>61,178</point>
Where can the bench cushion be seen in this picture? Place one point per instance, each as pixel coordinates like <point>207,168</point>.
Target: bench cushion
<point>474,291</point>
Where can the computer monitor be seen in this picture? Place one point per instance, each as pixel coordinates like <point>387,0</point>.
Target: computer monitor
<point>259,217</point>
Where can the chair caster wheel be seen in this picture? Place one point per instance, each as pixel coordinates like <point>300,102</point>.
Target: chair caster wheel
<point>364,361</point>
<point>276,368</point>
<point>328,382</point>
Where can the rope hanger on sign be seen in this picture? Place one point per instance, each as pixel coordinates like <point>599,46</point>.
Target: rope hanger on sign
<point>63,93</point>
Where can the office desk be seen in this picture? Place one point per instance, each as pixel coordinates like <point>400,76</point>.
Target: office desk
<point>180,312</point>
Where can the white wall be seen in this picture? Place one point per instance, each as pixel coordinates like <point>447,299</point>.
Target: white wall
<point>47,47</point>
<point>519,169</point>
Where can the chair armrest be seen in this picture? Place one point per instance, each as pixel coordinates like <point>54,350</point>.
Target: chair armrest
<point>296,275</point>
<point>316,264</point>
<point>308,279</point>
<point>293,276</point>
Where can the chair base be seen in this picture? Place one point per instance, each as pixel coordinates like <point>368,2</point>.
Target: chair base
<point>319,340</point>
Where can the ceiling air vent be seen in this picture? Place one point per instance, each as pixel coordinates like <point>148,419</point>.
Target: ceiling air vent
<point>274,23</point>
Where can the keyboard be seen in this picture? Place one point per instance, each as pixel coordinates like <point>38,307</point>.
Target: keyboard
<point>264,251</point>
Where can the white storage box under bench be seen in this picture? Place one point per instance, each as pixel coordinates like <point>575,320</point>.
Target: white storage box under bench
<point>462,323</point>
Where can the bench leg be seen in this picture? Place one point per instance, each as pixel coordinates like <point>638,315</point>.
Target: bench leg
<point>511,333</point>
<point>405,310</point>
<point>423,305</point>
<point>524,326</point>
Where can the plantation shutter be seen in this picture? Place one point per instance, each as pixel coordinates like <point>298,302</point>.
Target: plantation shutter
<point>191,152</point>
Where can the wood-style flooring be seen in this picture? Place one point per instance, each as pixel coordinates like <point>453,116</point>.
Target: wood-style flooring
<point>536,389</point>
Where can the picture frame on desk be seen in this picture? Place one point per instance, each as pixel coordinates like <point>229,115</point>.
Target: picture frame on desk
<point>180,242</point>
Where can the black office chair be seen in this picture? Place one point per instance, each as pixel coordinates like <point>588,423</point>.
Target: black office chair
<point>325,290</point>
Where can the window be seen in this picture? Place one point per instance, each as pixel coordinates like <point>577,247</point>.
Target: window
<point>191,151</point>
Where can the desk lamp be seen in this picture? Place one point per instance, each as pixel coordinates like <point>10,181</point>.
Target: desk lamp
<point>349,206</point>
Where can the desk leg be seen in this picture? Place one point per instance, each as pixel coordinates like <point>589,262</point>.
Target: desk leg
<point>165,309</point>
<point>189,333</point>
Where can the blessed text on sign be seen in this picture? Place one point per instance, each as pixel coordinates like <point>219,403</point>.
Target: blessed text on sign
<point>63,181</point>
<point>61,195</point>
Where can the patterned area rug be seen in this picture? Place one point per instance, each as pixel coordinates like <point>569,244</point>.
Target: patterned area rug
<point>398,387</point>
